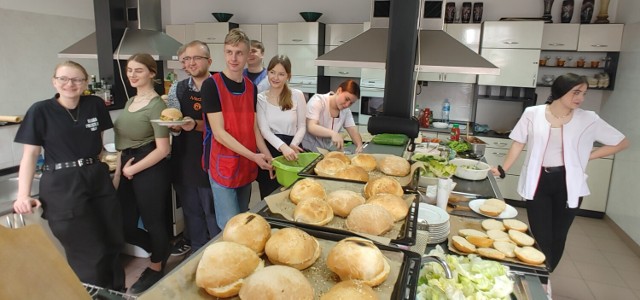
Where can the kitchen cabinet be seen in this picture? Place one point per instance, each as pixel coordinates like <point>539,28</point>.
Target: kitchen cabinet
<point>301,33</point>
<point>560,37</point>
<point>183,33</point>
<point>303,42</point>
<point>514,47</point>
<point>267,34</point>
<point>213,34</point>
<point>496,151</point>
<point>336,35</point>
<point>599,177</point>
<point>468,35</point>
<point>600,37</point>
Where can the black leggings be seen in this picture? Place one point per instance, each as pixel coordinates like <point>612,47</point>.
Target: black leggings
<point>146,196</point>
<point>549,216</point>
<point>266,184</point>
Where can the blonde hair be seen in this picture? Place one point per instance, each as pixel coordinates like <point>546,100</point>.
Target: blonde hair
<point>237,36</point>
<point>195,43</point>
<point>284,100</point>
<point>72,64</point>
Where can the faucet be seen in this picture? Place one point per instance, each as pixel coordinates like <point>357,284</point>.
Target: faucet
<point>442,262</point>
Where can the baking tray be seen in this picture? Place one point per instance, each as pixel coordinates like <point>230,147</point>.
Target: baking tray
<point>406,235</point>
<point>409,186</point>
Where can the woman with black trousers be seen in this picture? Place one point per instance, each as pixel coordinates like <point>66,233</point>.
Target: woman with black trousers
<point>142,175</point>
<point>559,136</point>
<point>76,193</point>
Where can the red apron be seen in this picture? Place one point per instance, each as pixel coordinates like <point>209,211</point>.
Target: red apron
<point>226,167</point>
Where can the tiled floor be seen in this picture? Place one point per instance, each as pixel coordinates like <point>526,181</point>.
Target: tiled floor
<point>597,264</point>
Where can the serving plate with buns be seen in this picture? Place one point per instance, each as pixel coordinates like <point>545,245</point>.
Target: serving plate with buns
<point>341,267</point>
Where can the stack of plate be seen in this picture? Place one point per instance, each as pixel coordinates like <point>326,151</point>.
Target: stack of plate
<point>437,222</point>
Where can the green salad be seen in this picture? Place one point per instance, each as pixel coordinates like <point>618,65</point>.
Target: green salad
<point>473,278</point>
<point>435,166</point>
<point>458,146</point>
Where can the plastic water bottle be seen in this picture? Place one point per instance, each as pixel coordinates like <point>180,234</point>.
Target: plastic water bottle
<point>446,109</point>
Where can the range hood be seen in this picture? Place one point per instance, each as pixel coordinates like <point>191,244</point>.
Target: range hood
<point>143,33</point>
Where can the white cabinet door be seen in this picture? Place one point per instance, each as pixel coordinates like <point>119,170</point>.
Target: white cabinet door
<point>428,76</point>
<point>302,58</point>
<point>340,71</point>
<point>211,33</point>
<point>298,33</point>
<point>599,172</point>
<point>518,67</point>
<point>509,187</point>
<point>512,35</point>
<point>495,156</point>
<point>217,57</point>
<point>253,31</point>
<point>600,37</point>
<point>503,143</point>
<point>338,34</point>
<point>178,32</point>
<point>373,76</point>
<point>270,42</point>
<point>467,34</point>
<point>560,37</point>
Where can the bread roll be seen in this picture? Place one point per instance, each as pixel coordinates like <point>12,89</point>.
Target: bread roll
<point>248,229</point>
<point>530,255</point>
<point>383,185</point>
<point>313,211</point>
<point>498,235</point>
<point>493,207</point>
<point>364,161</point>
<point>293,247</point>
<point>277,283</point>
<point>490,253</point>
<point>358,259</point>
<point>515,225</point>
<point>343,201</point>
<point>339,155</point>
<point>397,206</point>
<point>479,241</point>
<point>328,167</point>
<point>490,224</point>
<point>521,238</point>
<point>467,232</point>
<point>350,289</point>
<point>462,244</point>
<point>507,248</point>
<point>353,173</point>
<point>369,218</point>
<point>394,166</point>
<point>171,114</point>
<point>306,188</point>
<point>223,267</point>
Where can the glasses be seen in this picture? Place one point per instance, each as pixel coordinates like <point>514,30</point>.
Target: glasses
<point>187,59</point>
<point>74,81</point>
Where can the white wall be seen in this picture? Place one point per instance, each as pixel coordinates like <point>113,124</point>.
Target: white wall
<point>621,110</point>
<point>70,8</point>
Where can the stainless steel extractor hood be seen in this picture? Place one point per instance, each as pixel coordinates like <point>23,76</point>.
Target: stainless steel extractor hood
<point>143,33</point>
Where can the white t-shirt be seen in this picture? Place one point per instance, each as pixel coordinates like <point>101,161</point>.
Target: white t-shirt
<point>272,120</point>
<point>318,109</point>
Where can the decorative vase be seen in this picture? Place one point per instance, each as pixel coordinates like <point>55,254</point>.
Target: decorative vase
<point>465,12</point>
<point>477,12</point>
<point>547,10</point>
<point>450,12</point>
<point>567,11</point>
<point>586,11</point>
<point>603,16</point>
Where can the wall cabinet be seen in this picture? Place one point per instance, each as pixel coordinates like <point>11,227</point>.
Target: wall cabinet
<point>303,42</point>
<point>560,37</point>
<point>213,34</point>
<point>182,33</point>
<point>301,33</point>
<point>512,35</point>
<point>336,35</point>
<point>518,67</point>
<point>267,34</point>
<point>600,37</point>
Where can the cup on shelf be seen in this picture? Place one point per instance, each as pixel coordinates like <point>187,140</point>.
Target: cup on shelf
<point>559,61</point>
<point>595,63</point>
<point>580,62</point>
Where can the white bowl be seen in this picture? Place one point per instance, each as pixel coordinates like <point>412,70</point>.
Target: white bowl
<point>479,173</point>
<point>440,124</point>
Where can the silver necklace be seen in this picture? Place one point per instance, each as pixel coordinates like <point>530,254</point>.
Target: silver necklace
<point>75,120</point>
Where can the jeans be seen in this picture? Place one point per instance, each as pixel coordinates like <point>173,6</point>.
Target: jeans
<point>199,214</point>
<point>229,201</point>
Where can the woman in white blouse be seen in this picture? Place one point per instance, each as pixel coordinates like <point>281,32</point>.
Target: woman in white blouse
<point>281,117</point>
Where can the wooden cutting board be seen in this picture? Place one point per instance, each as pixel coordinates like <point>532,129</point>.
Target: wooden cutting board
<point>32,267</point>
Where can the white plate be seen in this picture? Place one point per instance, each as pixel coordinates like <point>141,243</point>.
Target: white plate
<point>509,211</point>
<point>440,125</point>
<point>110,147</point>
<point>432,214</point>
<point>168,123</point>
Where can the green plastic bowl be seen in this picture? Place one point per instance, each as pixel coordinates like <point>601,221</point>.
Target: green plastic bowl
<point>287,171</point>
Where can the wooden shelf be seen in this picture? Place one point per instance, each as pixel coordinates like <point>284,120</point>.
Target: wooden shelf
<point>556,67</point>
<point>591,88</point>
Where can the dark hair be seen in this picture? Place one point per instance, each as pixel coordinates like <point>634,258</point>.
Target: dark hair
<point>563,84</point>
<point>284,101</point>
<point>351,87</point>
<point>145,59</point>
<point>257,44</point>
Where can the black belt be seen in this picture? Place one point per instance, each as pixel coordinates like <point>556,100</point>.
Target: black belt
<point>553,169</point>
<point>143,148</point>
<point>70,164</point>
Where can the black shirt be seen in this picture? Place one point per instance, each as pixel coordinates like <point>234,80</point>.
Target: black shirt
<point>211,98</point>
<point>50,125</point>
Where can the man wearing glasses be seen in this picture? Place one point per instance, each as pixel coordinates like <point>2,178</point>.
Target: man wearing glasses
<point>190,181</point>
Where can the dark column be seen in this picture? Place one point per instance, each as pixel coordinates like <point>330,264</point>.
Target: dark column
<point>110,25</point>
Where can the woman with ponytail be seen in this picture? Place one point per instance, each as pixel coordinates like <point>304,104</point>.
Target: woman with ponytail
<point>281,118</point>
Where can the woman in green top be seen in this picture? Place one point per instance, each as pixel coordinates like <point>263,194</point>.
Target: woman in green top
<point>142,175</point>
